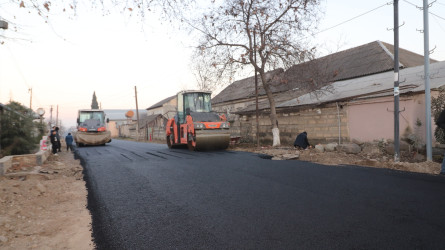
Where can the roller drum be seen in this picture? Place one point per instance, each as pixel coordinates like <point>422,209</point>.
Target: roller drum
<point>212,139</point>
<point>92,138</point>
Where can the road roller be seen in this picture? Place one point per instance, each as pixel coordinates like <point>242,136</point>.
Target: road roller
<point>92,128</point>
<point>196,125</point>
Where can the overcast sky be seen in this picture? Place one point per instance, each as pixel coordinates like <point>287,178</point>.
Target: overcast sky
<point>65,61</point>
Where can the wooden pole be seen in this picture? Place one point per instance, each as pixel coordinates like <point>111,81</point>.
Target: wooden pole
<point>137,113</point>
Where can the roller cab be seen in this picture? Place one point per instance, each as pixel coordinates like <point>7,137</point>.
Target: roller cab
<point>195,125</point>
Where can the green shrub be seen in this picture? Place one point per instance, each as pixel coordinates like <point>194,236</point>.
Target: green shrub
<point>18,134</point>
<point>437,105</point>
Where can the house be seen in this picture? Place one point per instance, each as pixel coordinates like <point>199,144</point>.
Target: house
<point>166,107</point>
<point>363,108</point>
<point>152,127</point>
<point>315,79</point>
<point>121,125</point>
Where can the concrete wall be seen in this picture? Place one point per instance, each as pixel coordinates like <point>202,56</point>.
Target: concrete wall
<point>365,120</point>
<point>374,119</point>
<point>5,164</point>
<point>113,128</point>
<point>28,160</point>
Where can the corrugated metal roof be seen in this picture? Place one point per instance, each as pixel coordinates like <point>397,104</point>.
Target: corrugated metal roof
<point>374,85</point>
<point>367,59</point>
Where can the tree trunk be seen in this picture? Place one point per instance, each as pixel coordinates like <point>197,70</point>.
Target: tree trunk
<point>273,111</point>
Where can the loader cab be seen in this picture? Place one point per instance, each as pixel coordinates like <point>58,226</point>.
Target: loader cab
<point>193,101</point>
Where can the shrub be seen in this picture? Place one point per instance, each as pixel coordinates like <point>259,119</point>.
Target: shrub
<point>437,105</point>
<point>19,134</point>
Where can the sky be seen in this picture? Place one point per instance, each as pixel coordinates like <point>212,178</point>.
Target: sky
<point>66,60</point>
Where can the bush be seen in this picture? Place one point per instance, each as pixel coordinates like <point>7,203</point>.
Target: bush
<point>437,105</point>
<point>19,134</point>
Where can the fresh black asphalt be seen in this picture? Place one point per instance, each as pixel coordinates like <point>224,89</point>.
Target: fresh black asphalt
<point>146,196</point>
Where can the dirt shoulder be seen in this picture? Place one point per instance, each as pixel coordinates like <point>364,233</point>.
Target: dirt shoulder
<point>370,156</point>
<point>44,207</point>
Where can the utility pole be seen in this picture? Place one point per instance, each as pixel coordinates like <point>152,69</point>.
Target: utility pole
<point>426,56</point>
<point>137,113</point>
<point>57,116</point>
<point>3,25</point>
<point>396,83</point>
<point>50,117</point>
<point>256,91</point>
<point>30,98</point>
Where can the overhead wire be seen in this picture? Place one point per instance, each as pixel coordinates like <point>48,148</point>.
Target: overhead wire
<point>18,67</point>
<point>353,18</point>
<point>35,98</point>
<point>406,1</point>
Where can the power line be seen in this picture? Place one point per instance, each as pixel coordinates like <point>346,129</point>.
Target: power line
<point>436,15</point>
<point>440,26</point>
<point>367,12</point>
<point>406,1</point>
<point>18,68</point>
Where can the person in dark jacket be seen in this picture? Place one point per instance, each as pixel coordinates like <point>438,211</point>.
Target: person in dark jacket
<point>441,124</point>
<point>69,142</point>
<point>54,141</point>
<point>301,141</point>
<point>59,145</point>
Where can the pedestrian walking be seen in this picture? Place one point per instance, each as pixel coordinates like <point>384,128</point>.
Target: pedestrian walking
<point>69,142</point>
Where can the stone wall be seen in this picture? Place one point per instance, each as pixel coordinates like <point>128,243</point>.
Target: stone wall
<point>321,124</point>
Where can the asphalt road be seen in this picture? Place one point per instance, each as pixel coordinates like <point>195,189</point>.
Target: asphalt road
<point>145,196</point>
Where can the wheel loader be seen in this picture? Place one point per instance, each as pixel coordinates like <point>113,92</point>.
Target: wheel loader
<point>195,125</point>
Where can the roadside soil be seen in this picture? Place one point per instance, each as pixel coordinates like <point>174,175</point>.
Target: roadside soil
<point>44,207</point>
<point>371,156</point>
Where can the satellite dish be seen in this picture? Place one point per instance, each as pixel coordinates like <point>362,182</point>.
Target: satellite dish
<point>129,114</point>
<point>40,111</point>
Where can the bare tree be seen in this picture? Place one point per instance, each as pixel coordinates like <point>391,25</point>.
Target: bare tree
<point>170,9</point>
<point>205,80</point>
<point>235,32</point>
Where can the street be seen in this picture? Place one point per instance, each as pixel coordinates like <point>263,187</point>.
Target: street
<point>146,196</point>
